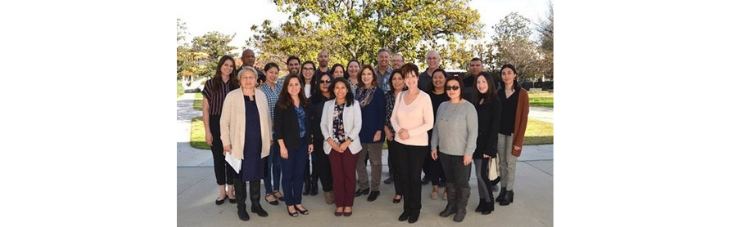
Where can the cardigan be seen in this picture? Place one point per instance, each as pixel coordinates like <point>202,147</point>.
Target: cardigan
<point>373,117</point>
<point>523,108</point>
<point>489,115</point>
<point>233,122</point>
<point>286,126</point>
<point>351,120</point>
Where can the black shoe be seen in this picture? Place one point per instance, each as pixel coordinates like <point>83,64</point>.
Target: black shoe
<point>388,181</point>
<point>362,192</point>
<point>373,196</point>
<point>219,202</point>
<point>508,198</point>
<point>482,203</point>
<point>315,190</point>
<point>501,195</point>
<point>403,216</point>
<point>243,215</point>
<point>304,212</point>
<point>488,208</point>
<point>397,200</point>
<point>307,189</point>
<point>232,200</point>
<point>425,181</point>
<point>295,214</point>
<point>414,217</point>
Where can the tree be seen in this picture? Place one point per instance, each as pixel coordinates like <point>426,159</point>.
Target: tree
<point>512,45</point>
<point>214,45</point>
<point>545,28</point>
<point>354,29</point>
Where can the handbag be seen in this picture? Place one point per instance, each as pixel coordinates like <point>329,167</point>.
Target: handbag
<point>494,170</point>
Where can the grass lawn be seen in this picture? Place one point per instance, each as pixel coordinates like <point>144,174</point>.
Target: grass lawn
<point>198,102</point>
<point>538,132</point>
<point>197,134</point>
<point>541,98</point>
<point>180,89</point>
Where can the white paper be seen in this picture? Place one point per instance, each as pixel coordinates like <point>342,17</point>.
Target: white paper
<point>234,162</point>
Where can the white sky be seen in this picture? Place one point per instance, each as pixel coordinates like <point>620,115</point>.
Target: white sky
<point>217,15</point>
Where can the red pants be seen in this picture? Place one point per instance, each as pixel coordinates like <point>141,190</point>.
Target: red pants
<point>343,177</point>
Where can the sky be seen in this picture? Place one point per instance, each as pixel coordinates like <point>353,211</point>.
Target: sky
<point>215,15</point>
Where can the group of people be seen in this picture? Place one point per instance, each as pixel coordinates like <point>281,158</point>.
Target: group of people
<point>340,116</point>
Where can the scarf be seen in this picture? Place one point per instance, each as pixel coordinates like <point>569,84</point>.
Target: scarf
<point>365,95</point>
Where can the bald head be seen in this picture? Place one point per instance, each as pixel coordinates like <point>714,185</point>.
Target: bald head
<point>248,57</point>
<point>323,58</point>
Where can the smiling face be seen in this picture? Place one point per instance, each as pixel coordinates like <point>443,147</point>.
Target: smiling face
<point>248,79</point>
<point>411,80</point>
<point>398,82</point>
<point>293,66</point>
<point>353,68</point>
<point>439,79</point>
<point>272,74</point>
<point>248,58</point>
<point>308,71</point>
<point>508,76</point>
<point>433,60</point>
<point>323,58</point>
<point>453,90</point>
<point>338,72</point>
<point>367,77</point>
<point>324,83</point>
<point>397,61</point>
<point>482,85</point>
<point>383,58</point>
<point>340,90</point>
<point>294,87</point>
<point>475,67</point>
<point>227,67</point>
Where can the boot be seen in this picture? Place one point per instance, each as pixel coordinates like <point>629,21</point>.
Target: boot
<point>500,197</point>
<point>451,205</point>
<point>508,198</point>
<point>256,208</point>
<point>488,208</point>
<point>462,200</point>
<point>307,186</point>
<point>482,203</point>
<point>315,189</point>
<point>239,187</point>
<point>329,197</point>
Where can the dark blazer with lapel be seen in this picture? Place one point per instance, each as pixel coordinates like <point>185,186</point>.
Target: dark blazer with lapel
<point>286,126</point>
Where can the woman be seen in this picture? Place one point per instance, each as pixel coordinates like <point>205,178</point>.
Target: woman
<point>321,163</point>
<point>397,85</point>
<point>272,89</point>
<point>244,130</point>
<point>290,131</point>
<point>308,77</point>
<point>412,118</point>
<point>214,93</point>
<point>338,71</point>
<point>512,126</point>
<point>372,104</point>
<point>455,136</point>
<point>438,96</point>
<point>340,125</point>
<point>353,68</point>
<point>489,110</point>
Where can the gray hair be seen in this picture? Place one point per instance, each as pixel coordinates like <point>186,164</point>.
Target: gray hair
<point>247,68</point>
<point>433,51</point>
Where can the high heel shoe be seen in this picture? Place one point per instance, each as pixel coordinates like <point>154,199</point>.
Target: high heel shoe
<point>292,214</point>
<point>304,212</point>
<point>397,200</point>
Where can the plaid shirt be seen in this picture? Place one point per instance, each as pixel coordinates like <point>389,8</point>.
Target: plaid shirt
<point>272,96</point>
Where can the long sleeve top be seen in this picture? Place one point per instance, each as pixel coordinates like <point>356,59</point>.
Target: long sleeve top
<point>233,122</point>
<point>489,115</point>
<point>455,132</point>
<point>416,118</point>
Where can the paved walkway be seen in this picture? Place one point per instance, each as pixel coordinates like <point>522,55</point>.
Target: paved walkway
<point>196,192</point>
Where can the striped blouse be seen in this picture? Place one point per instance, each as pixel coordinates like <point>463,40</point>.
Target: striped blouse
<point>215,100</point>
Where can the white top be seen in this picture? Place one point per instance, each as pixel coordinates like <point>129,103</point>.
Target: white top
<point>416,117</point>
<point>308,90</point>
<point>351,120</point>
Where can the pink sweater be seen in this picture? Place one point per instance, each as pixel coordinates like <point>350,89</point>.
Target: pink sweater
<point>417,118</point>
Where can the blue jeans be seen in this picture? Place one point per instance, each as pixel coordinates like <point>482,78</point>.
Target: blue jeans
<point>293,173</point>
<point>274,161</point>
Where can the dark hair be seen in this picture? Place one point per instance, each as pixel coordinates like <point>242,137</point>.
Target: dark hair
<point>491,89</point>
<point>461,85</point>
<point>271,65</point>
<point>349,97</point>
<point>332,71</point>
<point>301,73</point>
<point>383,50</point>
<point>432,87</point>
<point>409,68</point>
<point>285,99</point>
<point>218,77</point>
<point>292,58</point>
<point>390,81</point>
<point>317,84</point>
<point>360,83</point>
<point>347,74</point>
<point>476,59</point>
<point>515,84</point>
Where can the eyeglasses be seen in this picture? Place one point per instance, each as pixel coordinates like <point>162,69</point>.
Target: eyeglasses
<point>325,81</point>
<point>455,88</point>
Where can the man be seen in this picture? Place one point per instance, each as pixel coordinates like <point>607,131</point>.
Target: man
<point>397,61</point>
<point>249,59</point>
<point>475,67</point>
<point>292,65</point>
<point>383,71</point>
<point>324,61</point>
<point>433,60</point>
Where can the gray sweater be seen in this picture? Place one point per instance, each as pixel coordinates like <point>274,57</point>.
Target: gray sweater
<point>455,129</point>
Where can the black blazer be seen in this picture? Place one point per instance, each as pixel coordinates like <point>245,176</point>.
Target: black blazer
<point>489,115</point>
<point>286,126</point>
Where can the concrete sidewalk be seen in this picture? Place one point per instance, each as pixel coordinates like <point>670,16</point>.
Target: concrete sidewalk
<point>197,191</point>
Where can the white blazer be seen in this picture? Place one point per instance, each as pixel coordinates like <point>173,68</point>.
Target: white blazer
<point>352,120</point>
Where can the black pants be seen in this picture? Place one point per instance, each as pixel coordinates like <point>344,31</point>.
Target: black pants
<point>409,163</point>
<point>392,149</point>
<point>455,170</point>
<point>321,164</point>
<point>435,171</point>
<point>224,173</point>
